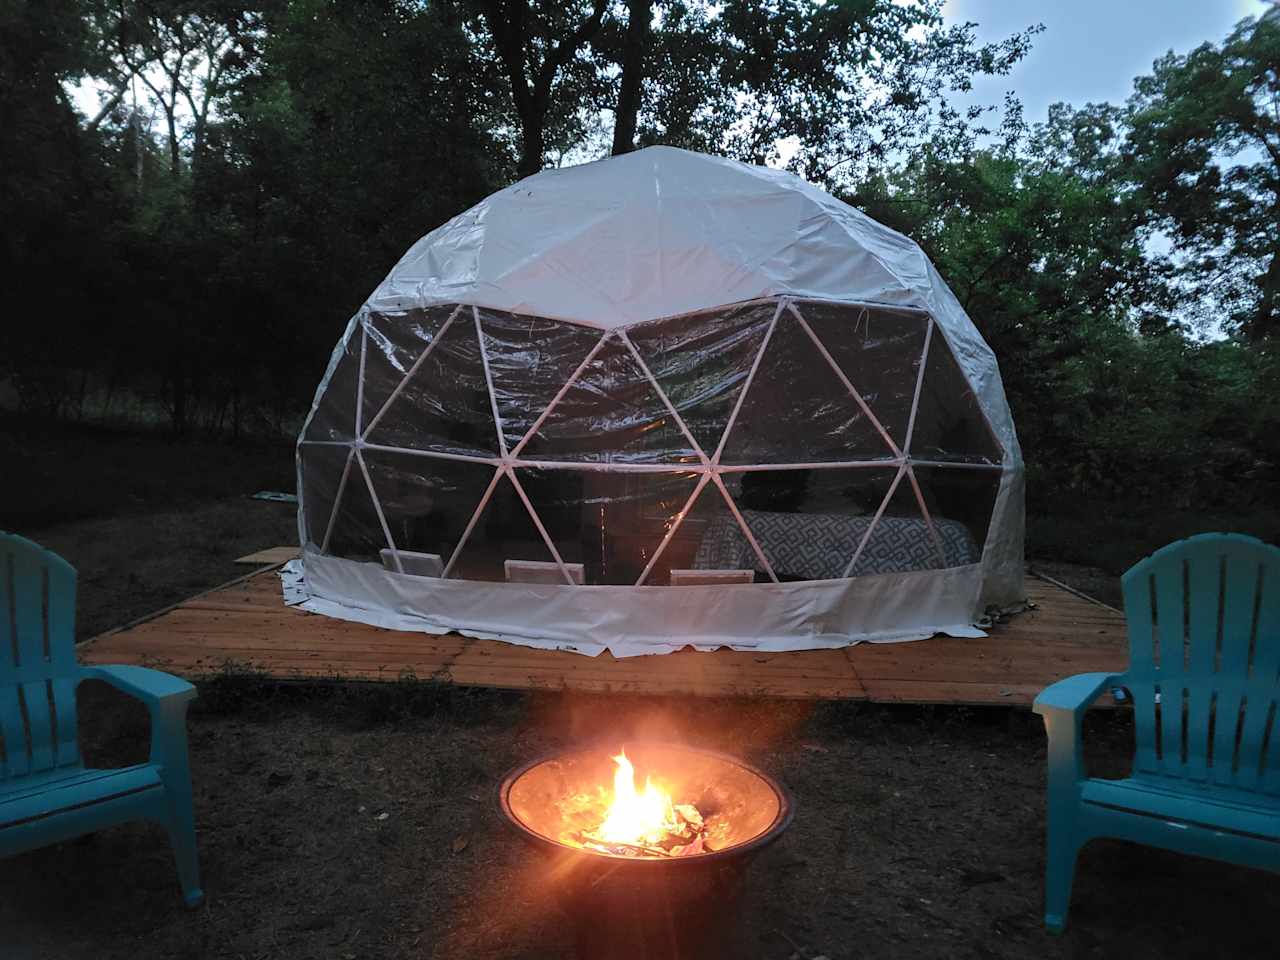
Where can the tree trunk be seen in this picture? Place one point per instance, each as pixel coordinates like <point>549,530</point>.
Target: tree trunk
<point>532,145</point>
<point>175,158</point>
<point>634,47</point>
<point>531,85</point>
<point>1267,320</point>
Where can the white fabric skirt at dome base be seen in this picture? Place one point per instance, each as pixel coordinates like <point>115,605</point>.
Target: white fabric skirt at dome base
<point>633,621</point>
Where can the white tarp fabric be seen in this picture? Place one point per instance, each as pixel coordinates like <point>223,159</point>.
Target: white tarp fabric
<point>892,608</point>
<point>661,235</point>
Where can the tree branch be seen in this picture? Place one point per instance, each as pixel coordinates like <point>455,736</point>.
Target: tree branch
<point>563,51</point>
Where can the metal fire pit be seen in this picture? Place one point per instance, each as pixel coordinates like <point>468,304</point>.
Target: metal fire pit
<point>650,906</point>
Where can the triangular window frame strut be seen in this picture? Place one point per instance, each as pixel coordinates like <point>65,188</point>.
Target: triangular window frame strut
<point>377,507</point>
<point>488,379</point>
<point>560,394</point>
<point>337,499</point>
<point>709,466</point>
<point>746,384</point>
<point>444,328</point>
<point>848,385</point>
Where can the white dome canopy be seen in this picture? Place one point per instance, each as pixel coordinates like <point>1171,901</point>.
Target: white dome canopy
<point>663,231</point>
<point>651,234</point>
<point>662,366</point>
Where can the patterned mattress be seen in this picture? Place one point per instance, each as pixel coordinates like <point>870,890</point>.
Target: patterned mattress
<point>817,546</point>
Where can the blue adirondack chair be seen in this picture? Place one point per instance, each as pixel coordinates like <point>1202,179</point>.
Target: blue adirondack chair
<point>1204,657</point>
<point>46,793</point>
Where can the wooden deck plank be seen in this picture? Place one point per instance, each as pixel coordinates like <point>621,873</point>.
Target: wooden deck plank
<point>270,557</point>
<point>246,624</point>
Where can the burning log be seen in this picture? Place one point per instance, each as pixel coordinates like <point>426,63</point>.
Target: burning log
<point>643,823</point>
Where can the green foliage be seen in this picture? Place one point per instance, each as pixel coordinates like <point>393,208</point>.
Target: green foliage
<point>845,84</point>
<point>195,247</point>
<point>1204,146</point>
<point>1047,244</point>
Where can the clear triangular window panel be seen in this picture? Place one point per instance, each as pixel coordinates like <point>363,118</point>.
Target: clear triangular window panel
<point>394,342</point>
<point>614,522</point>
<point>426,502</point>
<point>321,469</point>
<point>334,418</point>
<point>530,359</point>
<point>701,361</point>
<point>960,501</point>
<point>505,531</point>
<point>357,532</point>
<point>444,406</point>
<point>610,414</point>
<point>796,410</point>
<point>879,350</point>
<point>809,523</point>
<point>709,538</point>
<point>949,423</point>
<point>902,539</point>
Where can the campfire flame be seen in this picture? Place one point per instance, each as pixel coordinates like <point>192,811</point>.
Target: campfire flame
<point>634,823</point>
<point>640,817</point>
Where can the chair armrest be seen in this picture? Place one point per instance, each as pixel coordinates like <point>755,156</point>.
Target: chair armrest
<point>152,687</point>
<point>166,697</point>
<point>1075,694</point>
<point>1063,707</point>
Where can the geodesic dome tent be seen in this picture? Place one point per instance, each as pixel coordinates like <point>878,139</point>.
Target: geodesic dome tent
<point>659,400</point>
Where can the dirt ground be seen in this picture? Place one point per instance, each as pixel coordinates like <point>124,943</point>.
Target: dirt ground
<point>358,820</point>
<point>133,564</point>
<point>918,833</point>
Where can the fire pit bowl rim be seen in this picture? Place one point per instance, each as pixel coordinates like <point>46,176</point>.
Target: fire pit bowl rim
<point>779,824</point>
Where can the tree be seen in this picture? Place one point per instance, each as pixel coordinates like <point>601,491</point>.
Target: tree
<point>844,84</point>
<point>1204,145</point>
<point>184,53</point>
<point>538,45</point>
<point>58,211</point>
<point>635,48</point>
<point>358,128</point>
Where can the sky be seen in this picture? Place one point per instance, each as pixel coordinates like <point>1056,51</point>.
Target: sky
<point>1091,50</point>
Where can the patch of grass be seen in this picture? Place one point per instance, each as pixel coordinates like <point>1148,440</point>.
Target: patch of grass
<point>354,704</point>
<point>56,472</point>
<point>1114,536</point>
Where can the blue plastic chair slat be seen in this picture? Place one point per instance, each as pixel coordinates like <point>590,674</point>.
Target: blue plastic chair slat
<point>1239,587</point>
<point>8,637</point>
<point>1257,716</point>
<point>1171,632</point>
<point>61,616</point>
<point>1206,776</point>
<point>77,791</point>
<point>1204,614</point>
<point>35,703</point>
<point>17,750</point>
<point>64,709</point>
<point>1239,598</point>
<point>46,794</point>
<point>1266,657</point>
<point>1266,669</point>
<point>1270,784</point>
<point>1142,636</point>
<point>1258,818</point>
<point>29,593</point>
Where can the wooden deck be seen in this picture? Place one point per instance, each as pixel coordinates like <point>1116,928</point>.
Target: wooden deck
<point>245,624</point>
